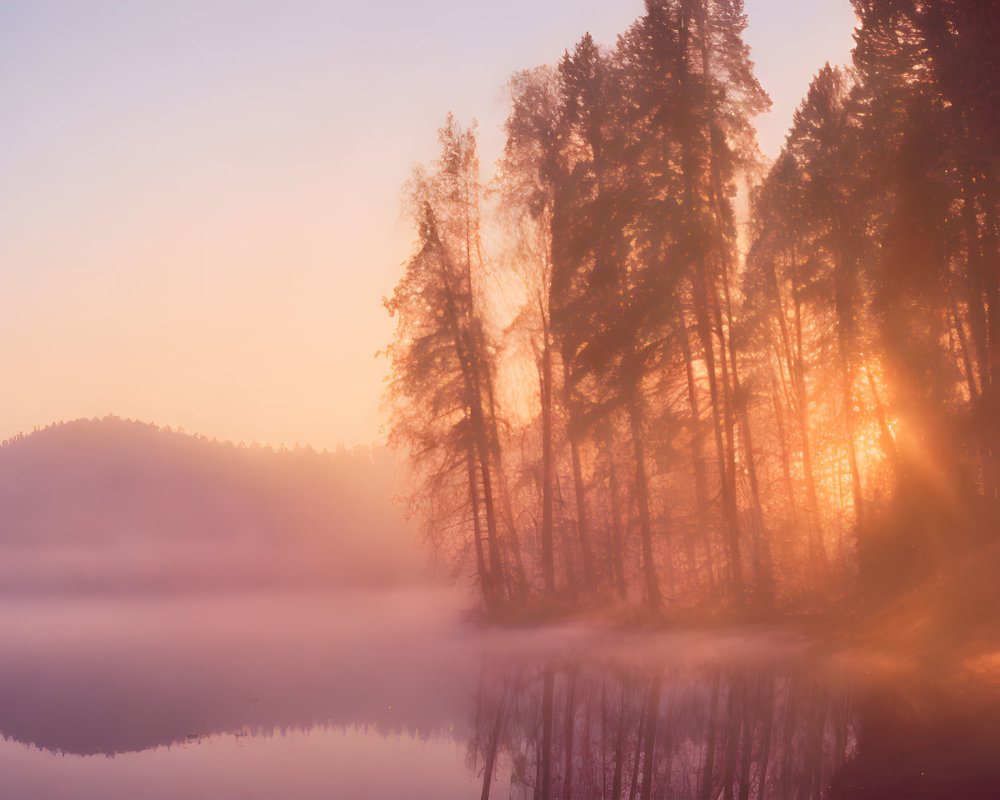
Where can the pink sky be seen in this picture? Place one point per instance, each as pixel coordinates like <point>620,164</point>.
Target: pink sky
<point>199,202</point>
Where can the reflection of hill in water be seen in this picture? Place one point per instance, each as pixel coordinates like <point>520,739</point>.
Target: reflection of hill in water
<point>112,505</point>
<point>113,675</point>
<point>157,588</point>
<point>88,676</point>
<point>584,712</point>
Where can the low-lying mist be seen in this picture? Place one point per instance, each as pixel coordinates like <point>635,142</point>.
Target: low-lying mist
<point>118,506</point>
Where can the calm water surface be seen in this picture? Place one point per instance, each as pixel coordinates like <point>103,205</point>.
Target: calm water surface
<point>392,694</point>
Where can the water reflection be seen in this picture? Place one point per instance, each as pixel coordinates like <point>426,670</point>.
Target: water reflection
<point>91,676</point>
<point>934,736</point>
<point>394,694</point>
<point>720,730</point>
<point>320,764</point>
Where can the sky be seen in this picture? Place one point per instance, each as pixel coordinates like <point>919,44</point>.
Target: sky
<point>200,201</point>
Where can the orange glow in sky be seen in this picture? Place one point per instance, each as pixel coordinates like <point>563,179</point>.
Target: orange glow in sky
<point>199,202</point>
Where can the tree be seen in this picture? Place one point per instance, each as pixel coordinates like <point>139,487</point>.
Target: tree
<point>444,411</point>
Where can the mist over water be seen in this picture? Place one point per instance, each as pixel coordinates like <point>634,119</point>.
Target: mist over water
<point>96,676</point>
<point>394,692</point>
<point>228,694</point>
<point>321,658</point>
<point>313,692</point>
<point>691,477</point>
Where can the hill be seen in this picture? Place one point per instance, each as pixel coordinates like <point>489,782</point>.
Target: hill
<point>116,505</point>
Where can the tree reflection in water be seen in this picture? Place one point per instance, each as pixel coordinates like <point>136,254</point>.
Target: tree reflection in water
<point>573,711</point>
<point>727,731</point>
<point>731,730</point>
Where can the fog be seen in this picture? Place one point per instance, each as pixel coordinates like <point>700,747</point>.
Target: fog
<point>112,676</point>
<point>117,506</point>
<point>183,618</point>
<point>313,690</point>
<point>396,691</point>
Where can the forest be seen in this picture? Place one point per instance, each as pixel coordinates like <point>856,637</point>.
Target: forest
<point>119,508</point>
<point>643,367</point>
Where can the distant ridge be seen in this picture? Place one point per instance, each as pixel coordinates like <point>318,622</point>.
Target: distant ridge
<point>118,505</point>
<point>111,419</point>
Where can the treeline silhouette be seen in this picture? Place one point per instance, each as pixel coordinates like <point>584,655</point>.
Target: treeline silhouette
<point>111,505</point>
<point>639,364</point>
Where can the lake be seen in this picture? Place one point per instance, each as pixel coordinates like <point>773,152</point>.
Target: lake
<point>395,693</point>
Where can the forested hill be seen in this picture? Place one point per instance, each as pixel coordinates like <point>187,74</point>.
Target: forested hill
<point>115,505</point>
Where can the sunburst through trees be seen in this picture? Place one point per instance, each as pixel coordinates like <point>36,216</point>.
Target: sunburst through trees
<point>607,389</point>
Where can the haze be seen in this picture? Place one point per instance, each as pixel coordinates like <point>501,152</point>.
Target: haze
<point>199,203</point>
<point>678,474</point>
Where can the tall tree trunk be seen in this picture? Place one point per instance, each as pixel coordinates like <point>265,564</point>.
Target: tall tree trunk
<point>486,584</point>
<point>468,346</point>
<point>728,500</point>
<point>516,577</point>
<point>492,532</point>
<point>817,552</point>
<point>548,556</point>
<point>761,544</point>
<point>697,454</point>
<point>844,302</point>
<point>579,487</point>
<point>618,549</point>
<point>484,427</point>
<point>695,205</point>
<point>653,596</point>
<point>786,464</point>
<point>847,398</point>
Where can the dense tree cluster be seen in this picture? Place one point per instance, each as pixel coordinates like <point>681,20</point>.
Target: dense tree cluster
<point>615,378</point>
